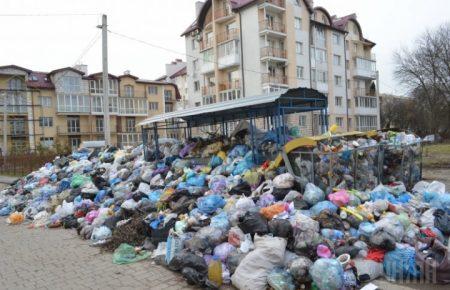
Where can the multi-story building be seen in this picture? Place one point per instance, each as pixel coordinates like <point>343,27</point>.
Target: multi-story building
<point>65,106</point>
<point>176,73</point>
<point>243,48</point>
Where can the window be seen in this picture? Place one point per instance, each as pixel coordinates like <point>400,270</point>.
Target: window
<point>322,76</point>
<point>208,56</point>
<point>153,90</point>
<point>340,121</point>
<point>15,84</point>
<point>366,123</point>
<point>228,48</point>
<point>349,123</point>
<point>195,65</point>
<point>313,75</point>
<point>131,125</point>
<point>298,23</point>
<point>17,126</point>
<point>336,39</point>
<point>73,125</point>
<point>71,84</point>
<point>129,91</point>
<point>300,72</point>
<point>74,142</point>
<point>99,124</point>
<point>198,104</point>
<point>355,47</point>
<point>68,103</point>
<point>338,81</point>
<point>193,44</point>
<point>169,108</point>
<point>46,122</point>
<point>337,60</point>
<point>366,102</point>
<point>349,103</point>
<point>167,95</point>
<point>196,86</point>
<point>153,106</point>
<point>321,55</point>
<point>338,101</point>
<point>302,121</point>
<point>46,101</point>
<point>47,141</point>
<point>19,145</point>
<point>320,36</point>
<point>299,48</point>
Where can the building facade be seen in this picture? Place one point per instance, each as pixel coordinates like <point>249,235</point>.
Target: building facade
<point>65,107</point>
<point>244,48</point>
<point>176,73</point>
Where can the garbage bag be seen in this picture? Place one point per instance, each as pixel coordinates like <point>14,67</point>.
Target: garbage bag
<point>253,222</point>
<point>210,203</point>
<point>339,198</point>
<point>322,206</point>
<point>193,277</point>
<point>285,181</point>
<point>220,221</point>
<point>252,272</point>
<point>441,201</point>
<point>327,274</point>
<point>247,244</point>
<point>67,208</point>
<point>273,210</point>
<point>299,269</point>
<point>313,194</point>
<point>280,279</point>
<point>196,180</point>
<point>127,254</point>
<point>101,233</point>
<point>235,236</point>
<point>368,270</point>
<point>185,259</point>
<point>78,181</point>
<point>234,259</point>
<point>280,228</point>
<point>434,262</point>
<point>400,264</point>
<point>174,245</point>
<point>15,218</point>
<point>442,221</point>
<point>223,251</point>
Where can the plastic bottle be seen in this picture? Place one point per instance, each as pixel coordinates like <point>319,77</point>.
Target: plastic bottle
<point>215,271</point>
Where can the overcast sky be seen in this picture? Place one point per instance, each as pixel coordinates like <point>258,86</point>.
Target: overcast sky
<point>45,43</point>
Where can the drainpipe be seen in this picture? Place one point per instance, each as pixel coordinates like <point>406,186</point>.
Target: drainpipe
<point>242,54</point>
<point>346,82</point>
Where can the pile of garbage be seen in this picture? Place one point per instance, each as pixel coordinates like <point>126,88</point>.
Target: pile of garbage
<point>231,221</point>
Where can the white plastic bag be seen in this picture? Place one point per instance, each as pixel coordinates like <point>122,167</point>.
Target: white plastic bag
<point>101,233</point>
<point>247,245</point>
<point>66,209</point>
<point>285,180</point>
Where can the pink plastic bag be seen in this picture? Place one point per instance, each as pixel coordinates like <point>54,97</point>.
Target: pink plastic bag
<point>91,216</point>
<point>235,236</point>
<point>323,251</point>
<point>339,198</point>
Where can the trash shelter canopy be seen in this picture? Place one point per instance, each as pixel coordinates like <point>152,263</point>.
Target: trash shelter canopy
<point>275,104</point>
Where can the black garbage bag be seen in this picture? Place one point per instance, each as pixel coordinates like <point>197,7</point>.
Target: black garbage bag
<point>194,277</point>
<point>280,228</point>
<point>137,196</point>
<point>146,206</point>
<point>242,188</point>
<point>69,222</point>
<point>185,259</point>
<point>112,221</point>
<point>160,234</point>
<point>182,204</point>
<point>442,221</point>
<point>280,193</point>
<point>61,162</point>
<point>234,259</point>
<point>382,239</point>
<point>197,244</point>
<point>61,175</point>
<point>253,223</point>
<point>99,182</point>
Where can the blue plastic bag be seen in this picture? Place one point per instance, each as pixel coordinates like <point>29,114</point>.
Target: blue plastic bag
<point>323,205</point>
<point>196,180</point>
<point>215,161</point>
<point>401,263</point>
<point>155,196</point>
<point>366,229</point>
<point>210,203</point>
<point>220,221</point>
<point>238,151</point>
<point>241,167</point>
<point>441,201</point>
<point>63,185</point>
<point>100,196</point>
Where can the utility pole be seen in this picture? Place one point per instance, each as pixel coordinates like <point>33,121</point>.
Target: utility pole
<point>106,120</point>
<point>5,124</point>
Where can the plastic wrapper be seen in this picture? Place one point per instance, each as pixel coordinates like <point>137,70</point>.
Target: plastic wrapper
<point>279,279</point>
<point>323,206</point>
<point>400,264</point>
<point>327,274</point>
<point>339,198</point>
<point>220,221</point>
<point>126,254</point>
<point>253,222</point>
<point>15,218</point>
<point>273,210</point>
<point>235,236</point>
<point>285,180</point>
<point>101,233</point>
<point>210,203</point>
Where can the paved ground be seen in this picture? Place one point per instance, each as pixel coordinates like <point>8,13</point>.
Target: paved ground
<point>58,259</point>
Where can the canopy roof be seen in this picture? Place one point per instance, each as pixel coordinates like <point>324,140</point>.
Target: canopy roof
<point>284,102</point>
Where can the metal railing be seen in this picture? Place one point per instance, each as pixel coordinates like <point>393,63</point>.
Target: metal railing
<point>268,78</point>
<point>279,3</point>
<point>273,52</point>
<point>272,26</point>
<point>358,92</point>
<point>231,34</point>
<point>236,84</point>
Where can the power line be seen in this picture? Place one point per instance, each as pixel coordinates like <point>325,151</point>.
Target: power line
<point>49,14</point>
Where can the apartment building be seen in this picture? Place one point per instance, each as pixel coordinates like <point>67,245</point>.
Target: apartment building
<point>176,73</point>
<point>65,106</point>
<point>242,48</point>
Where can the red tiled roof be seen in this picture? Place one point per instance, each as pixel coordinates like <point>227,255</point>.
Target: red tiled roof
<point>39,80</point>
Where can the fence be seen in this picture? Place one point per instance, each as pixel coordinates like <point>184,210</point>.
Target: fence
<point>23,164</point>
<point>361,168</point>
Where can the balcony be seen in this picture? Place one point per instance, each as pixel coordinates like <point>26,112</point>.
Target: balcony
<point>230,91</point>
<point>129,139</point>
<point>229,54</point>
<point>223,14</point>
<point>273,5</point>
<point>16,104</point>
<point>274,79</point>
<point>73,104</point>
<point>274,54</point>
<point>363,93</point>
<point>97,105</point>
<point>208,64</point>
<point>231,34</point>
<point>208,90</point>
<point>365,68</point>
<point>18,128</point>
<point>206,43</point>
<point>133,107</point>
<point>272,28</point>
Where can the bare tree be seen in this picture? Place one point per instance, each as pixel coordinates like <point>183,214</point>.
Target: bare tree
<point>425,70</point>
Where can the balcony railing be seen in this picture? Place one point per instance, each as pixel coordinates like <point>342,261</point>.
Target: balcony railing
<point>273,52</point>
<point>272,26</point>
<point>206,43</point>
<point>271,79</point>
<point>129,139</point>
<point>208,90</point>
<point>222,13</point>
<point>133,106</point>
<point>73,104</point>
<point>279,3</point>
<point>16,103</point>
<point>363,92</point>
<point>236,84</point>
<point>231,34</point>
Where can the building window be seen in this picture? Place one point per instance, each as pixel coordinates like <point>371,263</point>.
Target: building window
<point>17,126</point>
<point>71,84</point>
<point>366,102</point>
<point>340,121</point>
<point>366,123</point>
<point>46,101</point>
<point>302,121</point>
<point>73,125</point>
<point>47,142</point>
<point>198,104</point>
<point>322,76</point>
<point>167,95</point>
<point>131,125</point>
<point>195,65</point>
<point>196,86</point>
<point>153,90</point>
<point>349,123</point>
<point>336,38</point>
<point>74,142</point>
<point>338,81</point>
<point>68,103</point>
<point>321,55</point>
<point>355,47</point>
<point>337,60</point>
<point>193,44</point>
<point>298,23</point>
<point>338,101</point>
<point>299,48</point>
<point>46,122</point>
<point>129,91</point>
<point>99,124</point>
<point>153,106</point>
<point>15,84</point>
<point>300,72</point>
<point>169,108</point>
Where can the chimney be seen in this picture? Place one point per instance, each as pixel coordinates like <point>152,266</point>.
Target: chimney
<point>127,72</point>
<point>82,68</point>
<point>198,7</point>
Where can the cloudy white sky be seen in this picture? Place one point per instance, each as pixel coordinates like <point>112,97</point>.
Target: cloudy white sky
<point>48,42</point>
